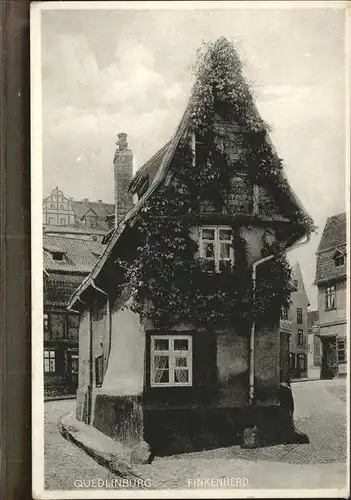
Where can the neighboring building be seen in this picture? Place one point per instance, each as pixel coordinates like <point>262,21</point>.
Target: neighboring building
<point>58,210</point>
<point>331,279</point>
<point>73,231</point>
<point>314,342</point>
<point>139,381</point>
<point>69,216</point>
<point>297,314</point>
<point>67,262</point>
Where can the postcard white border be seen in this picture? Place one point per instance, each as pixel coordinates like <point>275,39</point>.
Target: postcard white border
<point>37,8</point>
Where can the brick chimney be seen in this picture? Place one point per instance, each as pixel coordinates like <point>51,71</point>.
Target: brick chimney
<point>123,173</point>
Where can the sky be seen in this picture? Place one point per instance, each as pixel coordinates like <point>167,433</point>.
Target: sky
<point>110,71</point>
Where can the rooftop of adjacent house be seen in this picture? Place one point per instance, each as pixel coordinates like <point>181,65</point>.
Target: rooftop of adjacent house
<point>152,165</point>
<point>75,229</point>
<point>331,253</point>
<point>102,210</point>
<point>297,275</point>
<point>58,288</point>
<point>334,233</point>
<point>70,255</point>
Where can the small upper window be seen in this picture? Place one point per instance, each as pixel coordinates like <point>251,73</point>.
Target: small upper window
<point>339,258</point>
<point>90,220</point>
<point>199,147</point>
<point>57,255</point>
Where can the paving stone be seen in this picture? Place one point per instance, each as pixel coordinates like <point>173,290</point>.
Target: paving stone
<point>320,412</point>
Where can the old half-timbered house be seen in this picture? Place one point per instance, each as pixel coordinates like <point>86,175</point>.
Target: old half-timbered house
<point>67,261</point>
<point>180,336</point>
<point>331,280</point>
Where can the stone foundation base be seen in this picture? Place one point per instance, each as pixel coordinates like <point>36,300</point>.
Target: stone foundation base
<point>279,430</point>
<point>119,417</point>
<point>183,431</point>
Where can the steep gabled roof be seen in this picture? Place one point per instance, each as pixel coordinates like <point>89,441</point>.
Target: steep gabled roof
<point>334,233</point>
<point>163,158</point>
<point>333,238</point>
<point>102,210</point>
<point>297,275</point>
<point>167,156</point>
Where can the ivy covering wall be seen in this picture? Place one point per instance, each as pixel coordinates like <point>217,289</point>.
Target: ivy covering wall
<point>168,280</point>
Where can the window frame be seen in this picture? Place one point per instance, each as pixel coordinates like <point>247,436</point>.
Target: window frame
<point>339,260</point>
<point>90,220</point>
<point>338,256</point>
<point>343,350</point>
<point>216,245</point>
<point>300,336</point>
<point>172,354</point>
<point>58,256</point>
<point>195,142</point>
<point>330,292</point>
<point>298,317</point>
<point>49,358</point>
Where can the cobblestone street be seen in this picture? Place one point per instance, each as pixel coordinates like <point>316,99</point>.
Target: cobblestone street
<point>320,411</point>
<point>63,461</point>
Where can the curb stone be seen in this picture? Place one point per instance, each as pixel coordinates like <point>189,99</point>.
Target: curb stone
<point>296,380</point>
<point>59,398</point>
<point>105,450</point>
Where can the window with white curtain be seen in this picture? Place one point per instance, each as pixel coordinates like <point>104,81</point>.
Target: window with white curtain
<point>216,247</point>
<point>171,360</point>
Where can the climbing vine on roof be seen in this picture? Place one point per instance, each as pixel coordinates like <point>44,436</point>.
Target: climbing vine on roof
<point>169,282</point>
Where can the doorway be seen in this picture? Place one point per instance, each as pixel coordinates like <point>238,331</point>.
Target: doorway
<point>329,358</point>
<point>73,368</point>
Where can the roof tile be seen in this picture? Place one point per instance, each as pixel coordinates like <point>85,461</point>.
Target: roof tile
<point>334,236</point>
<point>58,288</point>
<point>79,255</point>
<point>334,233</point>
